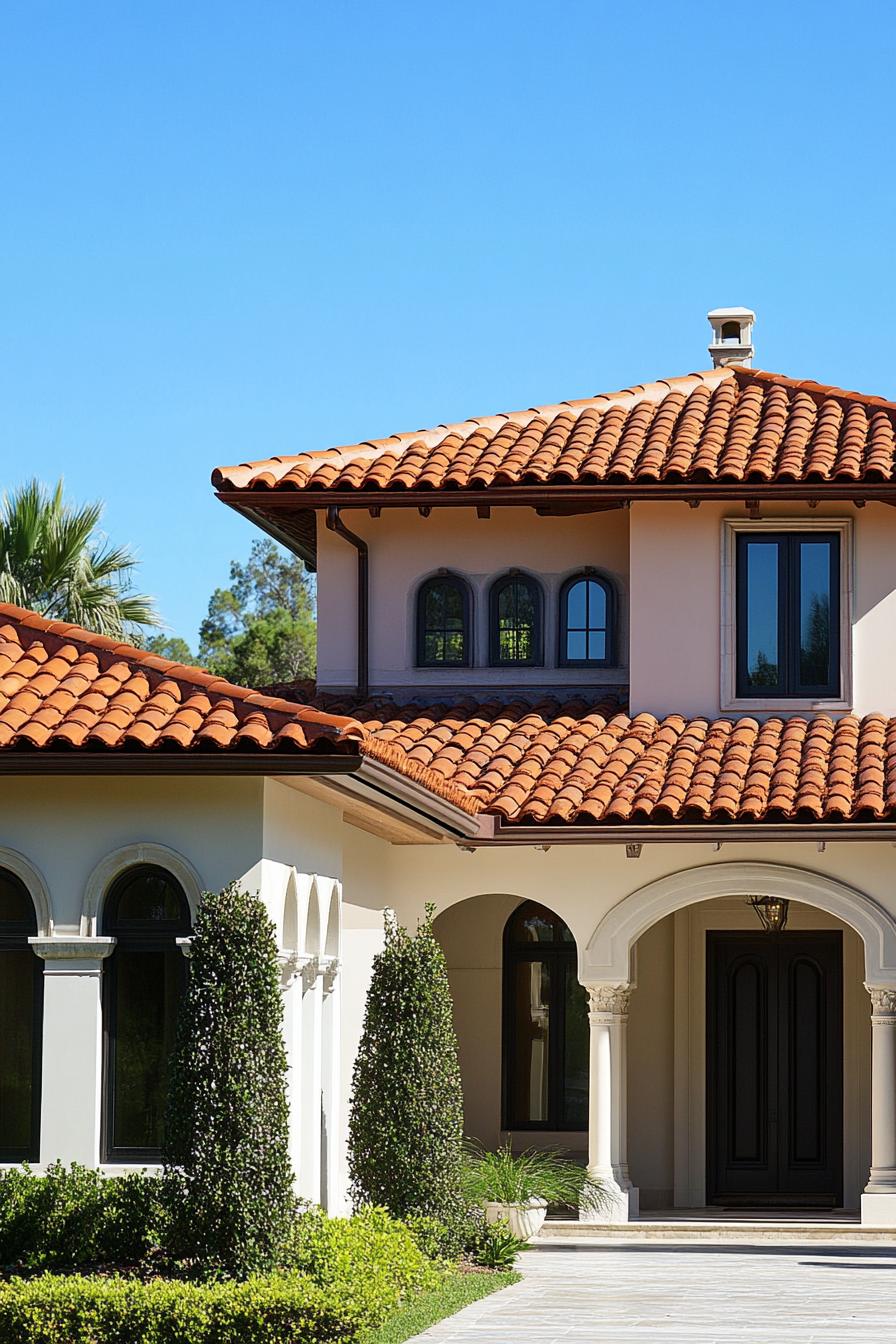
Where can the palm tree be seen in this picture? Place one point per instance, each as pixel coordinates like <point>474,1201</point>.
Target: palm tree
<point>55,562</point>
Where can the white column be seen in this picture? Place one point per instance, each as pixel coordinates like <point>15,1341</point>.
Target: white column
<point>879,1199</point>
<point>72,1069</point>
<point>290,985</point>
<point>607,1141</point>
<point>333,1197</point>
<point>309,1098</point>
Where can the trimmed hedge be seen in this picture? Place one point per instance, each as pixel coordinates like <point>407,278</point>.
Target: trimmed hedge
<point>228,1174</point>
<point>350,1275</point>
<point>406,1120</point>
<point>73,1217</point>
<point>270,1310</point>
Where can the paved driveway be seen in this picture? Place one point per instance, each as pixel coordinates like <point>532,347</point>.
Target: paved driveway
<point>689,1294</point>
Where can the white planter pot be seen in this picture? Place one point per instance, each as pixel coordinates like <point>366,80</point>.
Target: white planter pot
<point>525,1220</point>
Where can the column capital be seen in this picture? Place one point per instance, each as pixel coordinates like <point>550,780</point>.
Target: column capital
<point>72,955</point>
<point>609,998</point>
<point>883,1001</point>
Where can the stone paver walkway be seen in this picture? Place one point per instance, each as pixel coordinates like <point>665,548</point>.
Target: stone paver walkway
<point>688,1294</point>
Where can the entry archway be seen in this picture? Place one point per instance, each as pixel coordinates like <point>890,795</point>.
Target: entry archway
<point>607,957</point>
<point>606,969</point>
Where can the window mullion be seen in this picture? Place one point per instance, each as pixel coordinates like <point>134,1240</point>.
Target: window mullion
<point>788,613</point>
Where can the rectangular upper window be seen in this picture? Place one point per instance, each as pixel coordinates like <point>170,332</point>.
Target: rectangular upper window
<point>788,614</point>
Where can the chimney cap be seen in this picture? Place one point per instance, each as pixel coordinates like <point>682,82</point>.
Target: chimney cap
<point>731,312</point>
<point>732,336</point>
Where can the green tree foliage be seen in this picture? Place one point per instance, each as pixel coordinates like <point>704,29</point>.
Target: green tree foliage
<point>227,1154</point>
<point>261,630</point>
<point>406,1124</point>
<point>55,561</point>
<point>172,647</point>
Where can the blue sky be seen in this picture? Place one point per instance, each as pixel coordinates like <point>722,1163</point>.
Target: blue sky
<point>230,230</point>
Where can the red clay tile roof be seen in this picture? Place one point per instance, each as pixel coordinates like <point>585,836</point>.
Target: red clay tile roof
<point>721,427</point>
<point>559,762</point>
<point>65,688</point>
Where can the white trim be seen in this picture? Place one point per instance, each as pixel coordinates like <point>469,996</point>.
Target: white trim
<point>35,883</point>
<point>127,857</point>
<point>608,954</point>
<point>728,663</point>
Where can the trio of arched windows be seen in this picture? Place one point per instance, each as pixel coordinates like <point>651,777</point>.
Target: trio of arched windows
<point>146,911</point>
<point>586,634</point>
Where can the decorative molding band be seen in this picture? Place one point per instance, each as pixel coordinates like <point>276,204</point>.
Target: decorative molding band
<point>609,998</point>
<point>72,949</point>
<point>883,1001</point>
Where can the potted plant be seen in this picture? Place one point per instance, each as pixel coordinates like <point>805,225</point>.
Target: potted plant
<point>518,1187</point>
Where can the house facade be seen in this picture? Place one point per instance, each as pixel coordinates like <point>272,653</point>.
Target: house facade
<point>609,682</point>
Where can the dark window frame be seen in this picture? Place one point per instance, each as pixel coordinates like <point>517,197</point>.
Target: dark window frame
<point>141,936</point>
<point>610,659</point>
<point>498,586</point>
<point>788,686</point>
<point>561,956</point>
<point>14,935</point>
<point>461,586</point>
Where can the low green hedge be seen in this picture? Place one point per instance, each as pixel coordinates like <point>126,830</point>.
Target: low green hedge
<point>73,1217</point>
<point>276,1309</point>
<point>370,1248</point>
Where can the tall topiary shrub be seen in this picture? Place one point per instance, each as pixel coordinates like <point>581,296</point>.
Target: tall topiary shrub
<point>229,1180</point>
<point>406,1123</point>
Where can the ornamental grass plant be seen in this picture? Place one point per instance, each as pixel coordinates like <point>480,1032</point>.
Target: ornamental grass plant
<point>505,1177</point>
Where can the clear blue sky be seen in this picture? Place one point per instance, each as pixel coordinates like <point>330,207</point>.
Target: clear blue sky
<point>234,230</point>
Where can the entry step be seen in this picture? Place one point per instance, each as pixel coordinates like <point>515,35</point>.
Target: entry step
<point>681,1229</point>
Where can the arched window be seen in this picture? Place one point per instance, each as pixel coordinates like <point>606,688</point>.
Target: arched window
<point>546,1034</point>
<point>21,1014</point>
<point>587,619</point>
<point>443,622</point>
<point>145,910</point>
<point>515,622</point>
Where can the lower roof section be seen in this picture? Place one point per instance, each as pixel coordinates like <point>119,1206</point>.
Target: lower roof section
<point>570,763</point>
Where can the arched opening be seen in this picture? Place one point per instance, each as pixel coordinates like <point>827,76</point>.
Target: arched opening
<point>21,1014</point>
<point>146,911</point>
<point>731,333</point>
<point>521,1021</point>
<point>545,1024</point>
<point>748,1075</point>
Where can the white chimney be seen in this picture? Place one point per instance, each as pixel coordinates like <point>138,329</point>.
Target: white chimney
<point>732,337</point>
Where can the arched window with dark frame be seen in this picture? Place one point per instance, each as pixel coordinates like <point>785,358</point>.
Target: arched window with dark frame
<point>546,1032</point>
<point>146,911</point>
<point>587,622</point>
<point>515,620</point>
<point>21,1022</point>
<point>443,622</point>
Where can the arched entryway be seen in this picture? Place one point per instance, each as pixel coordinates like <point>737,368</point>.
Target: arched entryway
<point>714,900</point>
<point>521,1018</point>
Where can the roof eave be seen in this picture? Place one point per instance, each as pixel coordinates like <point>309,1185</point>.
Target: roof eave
<point>520,833</point>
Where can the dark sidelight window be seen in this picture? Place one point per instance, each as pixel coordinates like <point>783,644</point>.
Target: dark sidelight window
<point>545,1024</point>
<point>443,622</point>
<point>21,1020</point>
<point>146,911</point>
<point>586,622</point>
<point>788,614</point>
<point>515,622</point>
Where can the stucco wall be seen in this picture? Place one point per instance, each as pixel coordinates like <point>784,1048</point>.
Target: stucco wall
<point>65,827</point>
<point>405,548</point>
<point>675,583</point>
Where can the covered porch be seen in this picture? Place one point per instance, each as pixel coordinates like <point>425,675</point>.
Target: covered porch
<point>705,1070</point>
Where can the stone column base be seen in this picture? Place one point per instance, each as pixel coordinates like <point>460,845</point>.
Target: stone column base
<point>620,1204</point>
<point>879,1210</point>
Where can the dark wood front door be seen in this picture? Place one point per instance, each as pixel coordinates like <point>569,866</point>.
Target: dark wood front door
<point>774,1075</point>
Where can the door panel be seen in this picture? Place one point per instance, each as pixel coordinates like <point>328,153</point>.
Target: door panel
<point>774,1068</point>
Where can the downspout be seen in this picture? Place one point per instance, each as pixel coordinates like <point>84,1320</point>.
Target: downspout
<point>335,524</point>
